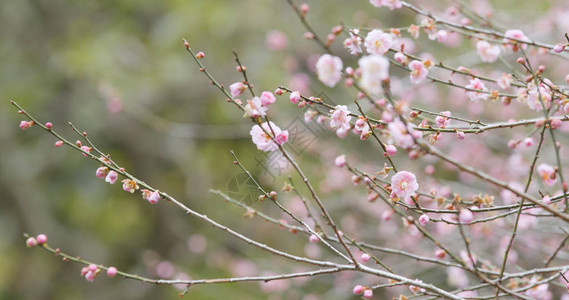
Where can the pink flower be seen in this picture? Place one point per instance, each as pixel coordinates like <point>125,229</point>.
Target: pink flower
<point>329,69</point>
<point>392,4</point>
<point>465,216</point>
<point>111,272</point>
<point>48,125</point>
<point>340,119</point>
<point>267,98</point>
<point>41,238</point>
<point>460,135</point>
<point>365,257</point>
<point>374,69</point>
<point>378,42</point>
<point>58,143</point>
<point>403,136</point>
<point>354,42</point>
<point>263,140</point>
<point>111,177</point>
<point>487,52</point>
<point>404,184</point>
<point>414,31</point>
<point>102,172</point>
<point>31,242</point>
<point>152,197</point>
<point>504,81</point>
<point>440,253</point>
<point>559,48</point>
<point>515,34</point>
<point>237,89</point>
<point>546,199</point>
<point>476,84</point>
<point>90,276</point>
<point>294,97</point>
<point>547,174</point>
<point>358,289</point>
<point>443,121</point>
<point>418,71</point>
<point>390,150</point>
<point>540,292</point>
<point>528,142</point>
<point>368,293</point>
<point>533,100</point>
<point>86,149</point>
<point>401,58</point>
<point>254,108</point>
<point>340,161</point>
<point>276,40</point>
<point>313,238</point>
<point>129,185</point>
<point>26,124</point>
<point>424,219</point>
<point>415,289</point>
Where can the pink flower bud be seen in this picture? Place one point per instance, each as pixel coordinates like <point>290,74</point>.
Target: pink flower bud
<point>111,272</point>
<point>237,89</point>
<point>279,92</point>
<point>48,125</point>
<point>460,135</point>
<point>186,44</point>
<point>112,177</point>
<point>555,123</point>
<point>41,238</point>
<point>521,60</point>
<point>84,271</point>
<point>58,143</point>
<point>25,124</point>
<point>200,55</point>
<point>365,257</point>
<point>304,8</point>
<point>546,199</point>
<point>267,98</point>
<point>90,276</point>
<point>358,289</point>
<point>424,219</point>
<point>386,215</point>
<point>528,142</point>
<point>282,137</point>
<point>93,267</point>
<point>86,149</point>
<point>340,161</point>
<point>294,97</point>
<point>440,253</point>
<point>368,294</point>
<point>31,242</point>
<point>154,197</point>
<point>559,48</point>
<point>350,71</point>
<point>313,238</point>
<point>465,216</point>
<point>390,150</point>
<point>102,172</point>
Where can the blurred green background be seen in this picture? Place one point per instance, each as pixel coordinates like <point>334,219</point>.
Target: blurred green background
<point>118,70</point>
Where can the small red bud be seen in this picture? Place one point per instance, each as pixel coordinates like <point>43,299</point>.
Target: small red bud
<point>48,125</point>
<point>187,45</point>
<point>200,55</point>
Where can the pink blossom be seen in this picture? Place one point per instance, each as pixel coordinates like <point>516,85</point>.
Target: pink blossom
<point>111,177</point>
<point>528,142</point>
<point>329,69</point>
<point>487,52</point>
<point>358,289</point>
<point>555,123</point>
<point>267,98</point>
<point>263,140</point>
<point>378,42</point>
<point>294,97</point>
<point>365,257</point>
<point>368,293</point>
<point>86,149</point>
<point>476,84</point>
<point>440,253</point>
<point>418,71</point>
<point>31,242</point>
<point>414,31</point>
<point>340,119</point>
<point>534,95</point>
<point>90,276</point>
<point>129,185</point>
<point>313,238</point>
<point>546,199</point>
<point>354,42</point>
<point>150,196</point>
<point>390,150</point>
<point>401,58</point>
<point>112,272</point>
<point>424,219</point>
<point>102,172</point>
<point>254,108</point>
<point>386,215</point>
<point>401,134</point>
<point>392,4</point>
<point>374,69</point>
<point>460,135</point>
<point>404,184</point>
<point>465,216</point>
<point>58,143</point>
<point>515,34</point>
<point>41,238</point>
<point>559,48</point>
<point>504,81</point>
<point>340,161</point>
<point>276,40</point>
<point>48,125</point>
<point>237,89</point>
<point>415,289</point>
<point>540,292</point>
<point>443,121</point>
<point>547,174</point>
<point>26,124</point>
